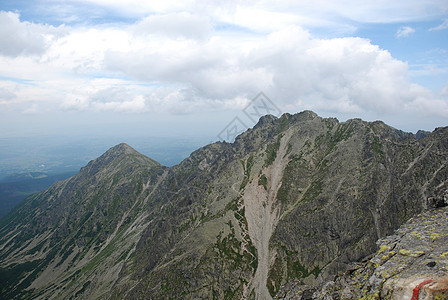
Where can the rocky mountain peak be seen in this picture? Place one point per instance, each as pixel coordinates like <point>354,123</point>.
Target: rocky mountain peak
<point>119,151</point>
<point>421,134</point>
<point>121,148</point>
<point>307,115</point>
<point>121,154</point>
<point>265,120</point>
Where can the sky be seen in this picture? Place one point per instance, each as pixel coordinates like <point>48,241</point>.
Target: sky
<point>191,68</point>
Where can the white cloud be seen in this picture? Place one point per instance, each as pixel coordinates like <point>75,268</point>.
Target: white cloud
<point>442,26</point>
<point>382,11</point>
<point>183,101</point>
<point>318,12</point>
<point>437,106</point>
<point>337,17</point>
<point>138,7</point>
<point>175,25</point>
<point>337,75</point>
<point>404,31</point>
<point>135,105</point>
<point>177,62</point>
<point>444,91</point>
<point>24,38</point>
<point>117,99</point>
<point>32,109</point>
<point>100,98</point>
<point>6,94</point>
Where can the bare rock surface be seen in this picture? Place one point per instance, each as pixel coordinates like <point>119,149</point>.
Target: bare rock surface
<point>410,264</point>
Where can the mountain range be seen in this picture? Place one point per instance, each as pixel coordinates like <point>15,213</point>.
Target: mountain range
<point>295,198</point>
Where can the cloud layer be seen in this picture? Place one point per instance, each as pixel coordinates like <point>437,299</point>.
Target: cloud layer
<point>404,31</point>
<point>24,38</point>
<point>180,60</point>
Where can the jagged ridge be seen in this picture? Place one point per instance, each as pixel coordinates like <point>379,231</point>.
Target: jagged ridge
<point>294,198</point>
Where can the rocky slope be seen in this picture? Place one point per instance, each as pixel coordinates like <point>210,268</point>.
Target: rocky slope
<point>413,262</point>
<point>72,239</point>
<point>294,198</point>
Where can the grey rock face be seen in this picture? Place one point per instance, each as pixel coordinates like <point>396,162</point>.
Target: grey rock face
<point>295,199</point>
<point>411,262</point>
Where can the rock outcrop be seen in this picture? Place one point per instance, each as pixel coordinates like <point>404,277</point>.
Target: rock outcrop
<point>412,264</point>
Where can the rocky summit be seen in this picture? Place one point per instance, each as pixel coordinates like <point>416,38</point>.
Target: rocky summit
<point>288,208</point>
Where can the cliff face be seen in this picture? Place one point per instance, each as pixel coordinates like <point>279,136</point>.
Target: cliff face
<point>412,262</point>
<point>295,198</point>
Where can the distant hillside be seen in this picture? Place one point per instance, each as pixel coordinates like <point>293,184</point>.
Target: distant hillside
<point>296,198</point>
<point>14,189</point>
